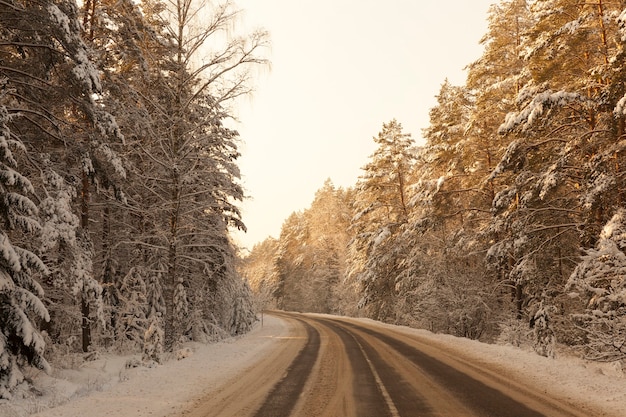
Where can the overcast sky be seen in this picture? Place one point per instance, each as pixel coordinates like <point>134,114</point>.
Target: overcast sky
<point>340,69</point>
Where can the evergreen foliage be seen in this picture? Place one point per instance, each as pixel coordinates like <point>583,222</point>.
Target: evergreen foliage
<point>381,210</point>
<point>119,177</point>
<point>478,232</point>
<point>600,280</point>
<point>132,320</point>
<point>21,294</point>
<point>119,183</point>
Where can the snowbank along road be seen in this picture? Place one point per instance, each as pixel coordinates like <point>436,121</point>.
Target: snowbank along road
<point>338,367</point>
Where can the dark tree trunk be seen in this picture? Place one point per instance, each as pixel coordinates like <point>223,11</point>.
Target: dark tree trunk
<point>84,223</point>
<point>169,286</point>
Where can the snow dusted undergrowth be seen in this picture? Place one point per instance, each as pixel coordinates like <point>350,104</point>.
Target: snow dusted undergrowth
<point>105,387</point>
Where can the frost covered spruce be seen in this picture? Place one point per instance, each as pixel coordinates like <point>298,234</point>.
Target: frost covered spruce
<point>601,279</point>
<point>20,294</point>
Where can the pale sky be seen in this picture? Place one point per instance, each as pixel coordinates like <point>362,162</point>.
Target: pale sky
<point>340,69</point>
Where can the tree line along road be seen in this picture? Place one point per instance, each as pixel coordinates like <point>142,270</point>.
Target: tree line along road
<point>340,367</point>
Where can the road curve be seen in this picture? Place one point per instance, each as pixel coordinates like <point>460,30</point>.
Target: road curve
<point>340,367</point>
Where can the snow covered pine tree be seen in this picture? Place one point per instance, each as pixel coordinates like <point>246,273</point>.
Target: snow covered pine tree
<point>20,294</point>
<point>600,278</point>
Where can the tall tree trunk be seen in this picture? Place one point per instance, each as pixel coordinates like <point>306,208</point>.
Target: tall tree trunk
<point>168,295</point>
<point>169,287</point>
<point>85,326</point>
<point>402,192</point>
<point>84,224</point>
<point>89,18</point>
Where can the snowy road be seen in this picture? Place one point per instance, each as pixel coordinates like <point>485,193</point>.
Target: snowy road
<point>315,365</point>
<point>341,367</point>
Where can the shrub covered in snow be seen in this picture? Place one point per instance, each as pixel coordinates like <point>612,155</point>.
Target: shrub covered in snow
<point>153,342</point>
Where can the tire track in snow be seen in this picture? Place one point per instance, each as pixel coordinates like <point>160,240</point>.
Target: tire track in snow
<point>284,395</point>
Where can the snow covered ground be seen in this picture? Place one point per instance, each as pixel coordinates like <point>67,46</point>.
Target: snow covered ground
<point>105,387</point>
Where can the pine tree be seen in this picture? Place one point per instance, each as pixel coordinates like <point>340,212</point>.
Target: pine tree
<point>133,47</point>
<point>600,280</point>
<point>71,81</point>
<point>448,206</point>
<point>133,322</point>
<point>495,80</point>
<point>244,312</point>
<point>184,162</point>
<point>564,120</point>
<point>257,268</point>
<point>328,218</point>
<point>56,88</point>
<point>448,181</point>
<point>292,263</point>
<point>304,269</point>
<point>154,293</point>
<point>381,207</point>
<point>21,305</point>
<point>66,250</point>
<point>153,342</point>
<point>154,337</point>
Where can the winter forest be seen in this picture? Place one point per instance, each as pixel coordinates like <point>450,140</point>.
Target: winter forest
<point>509,224</point>
<point>120,184</point>
<point>118,178</point>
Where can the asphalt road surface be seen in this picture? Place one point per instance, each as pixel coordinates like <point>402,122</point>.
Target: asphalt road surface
<point>339,368</point>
